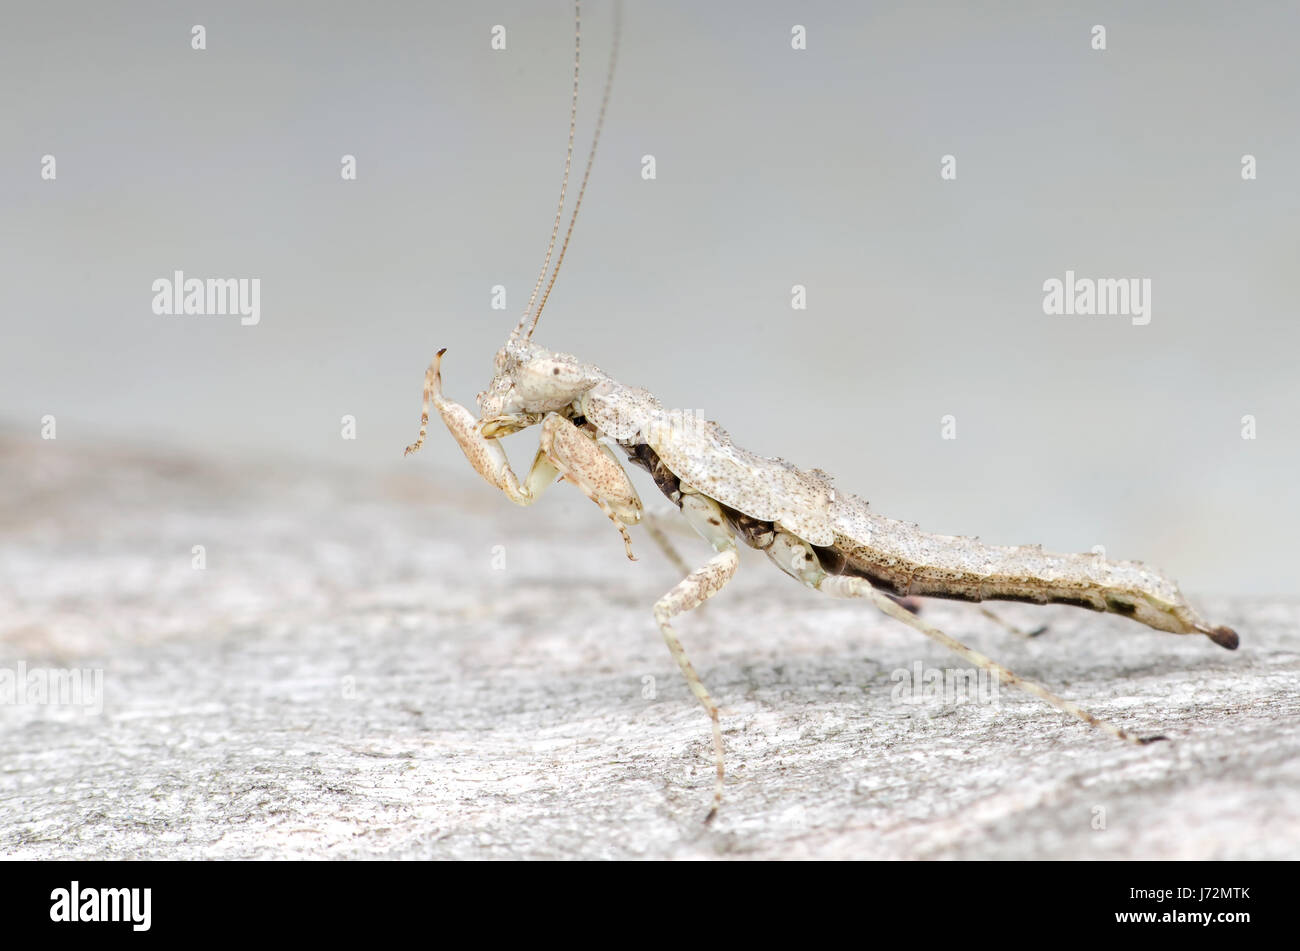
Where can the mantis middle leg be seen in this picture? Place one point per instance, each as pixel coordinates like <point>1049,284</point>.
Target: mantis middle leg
<point>701,584</point>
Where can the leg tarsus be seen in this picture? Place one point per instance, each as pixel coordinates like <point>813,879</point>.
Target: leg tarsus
<point>432,381</point>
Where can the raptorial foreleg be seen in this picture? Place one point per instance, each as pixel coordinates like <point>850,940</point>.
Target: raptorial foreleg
<point>487,456</point>
<point>594,469</point>
<point>564,451</point>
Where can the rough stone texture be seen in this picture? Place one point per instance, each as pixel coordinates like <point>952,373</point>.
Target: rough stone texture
<point>351,676</point>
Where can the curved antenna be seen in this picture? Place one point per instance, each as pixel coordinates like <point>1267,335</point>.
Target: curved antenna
<point>524,329</point>
<point>591,157</point>
<point>528,323</point>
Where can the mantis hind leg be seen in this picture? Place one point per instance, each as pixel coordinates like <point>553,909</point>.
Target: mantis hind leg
<point>697,587</point>
<point>1007,625</point>
<point>849,587</point>
<point>796,558</point>
<point>913,605</point>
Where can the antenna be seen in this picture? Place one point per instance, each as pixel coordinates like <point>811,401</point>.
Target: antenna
<point>527,324</point>
<point>524,329</point>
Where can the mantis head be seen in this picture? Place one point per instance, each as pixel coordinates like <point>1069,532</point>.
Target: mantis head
<point>532,381</point>
<point>529,379</point>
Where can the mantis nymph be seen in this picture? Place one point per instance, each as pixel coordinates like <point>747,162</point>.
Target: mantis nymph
<point>825,539</point>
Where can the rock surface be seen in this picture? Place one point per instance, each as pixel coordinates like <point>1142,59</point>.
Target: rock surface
<point>399,665</point>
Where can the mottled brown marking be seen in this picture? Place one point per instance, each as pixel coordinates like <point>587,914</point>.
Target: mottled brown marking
<point>1120,606</point>
<point>648,459</point>
<point>1225,637</point>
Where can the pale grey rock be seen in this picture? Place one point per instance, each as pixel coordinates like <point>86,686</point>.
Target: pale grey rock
<point>351,676</point>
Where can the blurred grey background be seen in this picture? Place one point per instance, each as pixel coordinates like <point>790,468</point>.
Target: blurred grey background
<point>775,167</point>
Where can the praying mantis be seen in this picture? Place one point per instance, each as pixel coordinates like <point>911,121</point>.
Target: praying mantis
<point>825,539</point>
